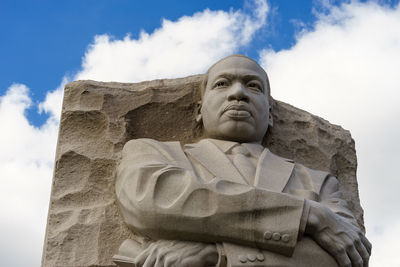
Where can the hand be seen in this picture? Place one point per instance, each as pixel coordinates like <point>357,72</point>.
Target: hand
<point>171,253</point>
<point>344,241</point>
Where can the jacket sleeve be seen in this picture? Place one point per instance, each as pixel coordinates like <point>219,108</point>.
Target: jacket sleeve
<point>161,197</point>
<point>323,188</point>
<point>332,197</point>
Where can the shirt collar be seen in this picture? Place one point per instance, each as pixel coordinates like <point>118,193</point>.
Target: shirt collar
<point>223,145</point>
<point>254,148</point>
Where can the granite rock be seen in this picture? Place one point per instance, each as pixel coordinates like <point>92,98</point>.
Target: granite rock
<point>84,225</point>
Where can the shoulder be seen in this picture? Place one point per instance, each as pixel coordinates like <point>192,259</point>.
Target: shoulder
<point>149,146</point>
<point>276,157</point>
<point>316,178</point>
<point>316,174</point>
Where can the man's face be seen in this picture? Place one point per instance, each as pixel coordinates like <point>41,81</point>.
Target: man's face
<point>235,104</point>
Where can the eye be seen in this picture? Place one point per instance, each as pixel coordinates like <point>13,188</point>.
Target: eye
<point>221,83</point>
<point>255,85</point>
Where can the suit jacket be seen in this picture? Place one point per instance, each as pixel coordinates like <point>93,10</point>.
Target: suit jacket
<point>196,193</point>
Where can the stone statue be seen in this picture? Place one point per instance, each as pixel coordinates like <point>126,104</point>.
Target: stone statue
<point>227,200</point>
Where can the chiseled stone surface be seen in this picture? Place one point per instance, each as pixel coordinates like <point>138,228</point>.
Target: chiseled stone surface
<point>84,225</point>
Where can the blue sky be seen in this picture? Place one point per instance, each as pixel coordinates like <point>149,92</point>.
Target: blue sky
<point>337,59</point>
<point>45,40</point>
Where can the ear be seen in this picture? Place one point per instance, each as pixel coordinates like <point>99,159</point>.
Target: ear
<point>270,118</point>
<point>198,118</point>
<point>198,111</point>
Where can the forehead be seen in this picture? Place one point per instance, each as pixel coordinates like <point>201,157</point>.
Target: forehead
<point>236,66</point>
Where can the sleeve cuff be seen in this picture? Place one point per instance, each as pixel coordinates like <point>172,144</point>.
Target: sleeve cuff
<point>221,256</point>
<point>303,219</point>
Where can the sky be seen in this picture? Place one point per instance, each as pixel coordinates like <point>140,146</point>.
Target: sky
<point>339,60</point>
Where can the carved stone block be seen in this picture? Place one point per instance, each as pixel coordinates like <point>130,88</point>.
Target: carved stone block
<point>84,225</point>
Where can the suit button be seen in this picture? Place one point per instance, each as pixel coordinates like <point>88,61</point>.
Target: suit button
<point>267,235</point>
<point>276,236</point>
<point>285,238</point>
<point>242,258</point>
<point>260,257</point>
<point>251,257</point>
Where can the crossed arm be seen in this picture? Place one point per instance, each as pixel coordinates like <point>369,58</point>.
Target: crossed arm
<point>163,200</point>
<point>335,229</point>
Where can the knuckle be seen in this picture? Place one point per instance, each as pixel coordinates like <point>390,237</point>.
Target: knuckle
<point>340,250</point>
<point>349,246</point>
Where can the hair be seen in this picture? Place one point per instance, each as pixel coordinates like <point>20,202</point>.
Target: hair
<point>203,84</point>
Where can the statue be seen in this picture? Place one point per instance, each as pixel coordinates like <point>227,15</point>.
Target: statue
<point>227,200</point>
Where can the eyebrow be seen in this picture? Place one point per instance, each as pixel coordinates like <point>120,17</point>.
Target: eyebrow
<point>246,77</point>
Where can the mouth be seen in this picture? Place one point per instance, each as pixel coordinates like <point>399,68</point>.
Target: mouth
<point>237,111</point>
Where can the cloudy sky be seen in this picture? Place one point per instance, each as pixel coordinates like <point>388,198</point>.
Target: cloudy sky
<point>337,59</point>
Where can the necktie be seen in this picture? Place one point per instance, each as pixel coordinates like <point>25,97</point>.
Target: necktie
<point>243,162</point>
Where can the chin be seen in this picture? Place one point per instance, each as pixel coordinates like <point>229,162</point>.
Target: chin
<point>239,133</point>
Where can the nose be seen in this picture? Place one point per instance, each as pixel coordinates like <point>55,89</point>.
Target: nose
<point>238,92</point>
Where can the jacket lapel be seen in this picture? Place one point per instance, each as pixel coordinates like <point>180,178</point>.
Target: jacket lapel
<point>213,159</point>
<point>272,172</point>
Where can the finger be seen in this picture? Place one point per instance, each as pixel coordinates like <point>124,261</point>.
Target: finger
<point>170,261</point>
<point>355,257</point>
<point>180,244</point>
<point>191,262</point>
<point>210,254</point>
<point>193,249</point>
<point>200,256</point>
<point>342,258</point>
<point>141,258</point>
<point>366,243</point>
<point>362,251</point>
<point>146,255</point>
<point>150,261</point>
<point>159,261</point>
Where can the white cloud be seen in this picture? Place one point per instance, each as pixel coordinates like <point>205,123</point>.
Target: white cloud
<point>386,249</point>
<point>52,103</point>
<point>26,166</point>
<point>346,70</point>
<point>177,49</point>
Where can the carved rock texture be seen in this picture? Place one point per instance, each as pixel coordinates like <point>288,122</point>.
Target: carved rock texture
<point>84,225</point>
